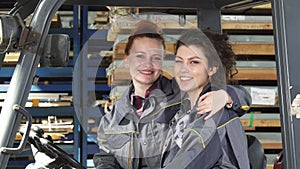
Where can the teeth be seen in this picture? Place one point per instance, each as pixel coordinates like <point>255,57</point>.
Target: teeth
<point>185,78</point>
<point>146,72</point>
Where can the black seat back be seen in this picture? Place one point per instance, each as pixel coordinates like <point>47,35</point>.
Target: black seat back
<point>256,153</point>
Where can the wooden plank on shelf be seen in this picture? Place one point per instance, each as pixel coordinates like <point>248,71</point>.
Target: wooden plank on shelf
<point>101,17</point>
<point>266,106</point>
<point>11,58</point>
<point>271,145</point>
<point>44,104</point>
<point>255,74</point>
<point>264,6</point>
<point>253,48</point>
<point>239,48</point>
<point>261,120</point>
<point>226,24</point>
<point>270,166</point>
<point>246,25</point>
<point>119,49</point>
<point>261,123</point>
<point>42,96</point>
<point>54,136</point>
<point>93,129</point>
<point>120,76</point>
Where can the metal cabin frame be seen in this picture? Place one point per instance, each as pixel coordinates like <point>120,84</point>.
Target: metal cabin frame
<point>286,33</point>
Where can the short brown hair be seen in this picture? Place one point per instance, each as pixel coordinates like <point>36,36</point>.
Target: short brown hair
<point>147,29</point>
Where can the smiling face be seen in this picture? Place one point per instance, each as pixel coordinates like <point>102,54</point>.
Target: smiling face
<point>191,69</point>
<point>145,61</point>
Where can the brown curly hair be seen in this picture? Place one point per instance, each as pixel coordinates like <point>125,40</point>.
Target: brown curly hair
<point>219,46</point>
<point>225,52</point>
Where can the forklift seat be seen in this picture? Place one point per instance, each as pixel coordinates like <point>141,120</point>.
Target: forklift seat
<point>256,153</point>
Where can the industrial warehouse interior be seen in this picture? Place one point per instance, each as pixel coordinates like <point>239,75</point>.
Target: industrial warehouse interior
<point>69,90</point>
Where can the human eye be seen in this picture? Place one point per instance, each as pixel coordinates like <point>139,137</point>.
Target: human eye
<point>157,58</point>
<point>194,62</point>
<point>140,55</point>
<point>178,60</point>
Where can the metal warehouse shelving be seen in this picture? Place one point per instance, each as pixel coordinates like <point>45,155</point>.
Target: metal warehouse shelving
<point>208,13</point>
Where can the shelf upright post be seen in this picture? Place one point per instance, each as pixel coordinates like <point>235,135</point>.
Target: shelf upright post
<point>76,53</point>
<point>84,97</point>
<point>286,30</point>
<point>209,18</point>
<point>2,55</point>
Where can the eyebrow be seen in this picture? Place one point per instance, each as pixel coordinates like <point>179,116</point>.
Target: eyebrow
<point>146,51</point>
<point>195,57</point>
<point>191,58</point>
<point>139,52</point>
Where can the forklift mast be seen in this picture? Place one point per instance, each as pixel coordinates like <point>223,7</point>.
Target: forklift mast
<point>32,40</point>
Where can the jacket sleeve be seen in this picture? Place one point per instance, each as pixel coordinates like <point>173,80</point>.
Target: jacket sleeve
<point>104,159</point>
<point>241,99</point>
<point>201,147</point>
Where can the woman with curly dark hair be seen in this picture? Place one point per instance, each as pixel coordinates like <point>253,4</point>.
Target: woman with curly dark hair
<point>220,141</point>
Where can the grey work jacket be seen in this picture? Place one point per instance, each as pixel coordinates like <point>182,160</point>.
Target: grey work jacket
<point>129,139</point>
<point>124,139</point>
<point>219,142</point>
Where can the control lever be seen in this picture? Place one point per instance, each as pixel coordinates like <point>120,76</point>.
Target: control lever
<point>47,146</point>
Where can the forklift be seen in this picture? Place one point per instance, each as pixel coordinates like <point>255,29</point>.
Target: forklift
<point>31,40</point>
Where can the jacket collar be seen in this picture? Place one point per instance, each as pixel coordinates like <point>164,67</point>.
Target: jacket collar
<point>124,109</point>
<point>186,105</point>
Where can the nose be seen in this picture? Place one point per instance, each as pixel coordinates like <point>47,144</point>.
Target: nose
<point>184,68</point>
<point>148,62</point>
